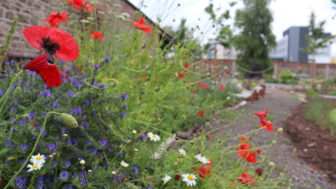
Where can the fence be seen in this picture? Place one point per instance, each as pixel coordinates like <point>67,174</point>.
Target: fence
<point>223,67</point>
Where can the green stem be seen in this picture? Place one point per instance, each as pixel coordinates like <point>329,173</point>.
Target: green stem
<point>8,41</point>
<point>4,98</point>
<point>33,150</point>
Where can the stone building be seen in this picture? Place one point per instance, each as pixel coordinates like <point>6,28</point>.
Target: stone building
<point>33,13</point>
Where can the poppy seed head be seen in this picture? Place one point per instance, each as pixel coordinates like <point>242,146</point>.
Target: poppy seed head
<point>49,46</point>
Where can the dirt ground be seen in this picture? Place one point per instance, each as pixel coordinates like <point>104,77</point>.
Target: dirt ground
<point>315,143</point>
<point>302,174</point>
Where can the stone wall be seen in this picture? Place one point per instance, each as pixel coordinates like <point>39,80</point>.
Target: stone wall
<point>33,12</point>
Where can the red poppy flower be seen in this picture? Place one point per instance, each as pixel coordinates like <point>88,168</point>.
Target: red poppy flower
<point>266,124</point>
<point>221,87</point>
<point>314,167</point>
<point>246,153</point>
<point>245,178</point>
<point>186,65</point>
<point>258,151</point>
<point>48,72</point>
<point>262,114</point>
<point>97,35</point>
<point>201,113</point>
<point>210,136</point>
<point>227,73</point>
<point>144,77</point>
<point>210,163</point>
<point>181,76</point>
<point>89,7</point>
<point>202,85</point>
<point>76,3</point>
<point>193,92</point>
<point>258,171</point>
<point>54,42</point>
<point>54,18</point>
<point>140,25</point>
<point>203,171</point>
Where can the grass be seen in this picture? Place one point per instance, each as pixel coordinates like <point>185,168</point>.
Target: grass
<point>317,111</point>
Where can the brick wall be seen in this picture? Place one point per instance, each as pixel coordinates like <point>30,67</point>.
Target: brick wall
<point>217,67</point>
<point>33,12</point>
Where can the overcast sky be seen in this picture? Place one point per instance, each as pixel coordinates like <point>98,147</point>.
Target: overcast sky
<point>286,13</point>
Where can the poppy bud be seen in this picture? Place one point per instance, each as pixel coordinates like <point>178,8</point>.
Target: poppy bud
<point>69,120</point>
<point>280,130</point>
<point>17,92</point>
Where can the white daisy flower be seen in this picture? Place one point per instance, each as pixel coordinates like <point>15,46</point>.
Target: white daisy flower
<point>182,152</point>
<point>153,137</point>
<point>123,163</point>
<point>166,178</point>
<point>34,166</point>
<point>38,159</point>
<point>190,179</point>
<point>202,159</point>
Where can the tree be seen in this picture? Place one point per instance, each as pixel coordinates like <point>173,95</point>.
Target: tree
<point>316,39</point>
<point>184,36</point>
<point>255,39</point>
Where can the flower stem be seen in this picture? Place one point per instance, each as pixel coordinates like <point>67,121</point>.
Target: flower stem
<point>33,150</point>
<point>5,96</point>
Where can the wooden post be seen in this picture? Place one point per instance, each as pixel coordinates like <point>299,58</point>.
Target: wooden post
<point>275,70</point>
<point>327,71</point>
<point>233,69</point>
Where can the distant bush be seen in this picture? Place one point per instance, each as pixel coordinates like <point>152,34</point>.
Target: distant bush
<point>287,77</point>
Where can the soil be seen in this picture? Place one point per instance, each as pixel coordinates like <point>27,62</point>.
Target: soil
<point>280,103</point>
<point>314,143</point>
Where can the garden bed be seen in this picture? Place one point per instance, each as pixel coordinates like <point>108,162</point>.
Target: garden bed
<point>315,143</point>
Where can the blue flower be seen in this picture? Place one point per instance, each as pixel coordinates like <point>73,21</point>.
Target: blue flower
<point>31,115</point>
<point>124,96</point>
<point>64,175</point>
<point>23,122</point>
<point>67,163</point>
<point>20,182</point>
<point>123,115</point>
<point>107,59</point>
<point>46,93</point>
<point>52,147</point>
<point>95,84</point>
<point>70,93</point>
<point>55,104</point>
<point>87,101</point>
<point>24,147</point>
<point>136,170</point>
<point>103,142</point>
<point>76,111</point>
<point>8,143</point>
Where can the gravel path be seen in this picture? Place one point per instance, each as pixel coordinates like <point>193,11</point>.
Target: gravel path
<point>279,103</point>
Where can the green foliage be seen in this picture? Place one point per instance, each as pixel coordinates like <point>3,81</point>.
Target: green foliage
<point>115,94</point>
<point>316,108</point>
<point>287,77</point>
<point>255,38</point>
<point>315,38</point>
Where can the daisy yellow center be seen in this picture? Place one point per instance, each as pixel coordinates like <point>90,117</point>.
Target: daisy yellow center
<point>38,158</point>
<point>190,177</point>
<point>35,166</point>
<point>154,136</point>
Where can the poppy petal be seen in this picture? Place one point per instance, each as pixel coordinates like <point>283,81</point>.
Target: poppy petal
<point>68,50</point>
<point>48,72</point>
<point>141,20</point>
<point>142,27</point>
